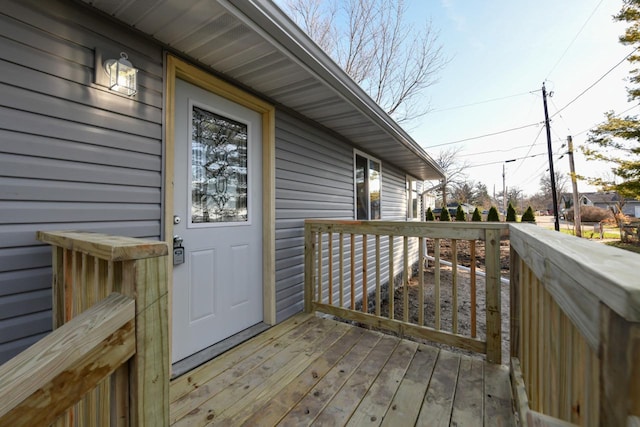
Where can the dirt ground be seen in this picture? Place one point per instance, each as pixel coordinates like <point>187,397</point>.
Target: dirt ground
<point>464,294</point>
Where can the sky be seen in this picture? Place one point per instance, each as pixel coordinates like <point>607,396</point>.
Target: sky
<point>501,52</point>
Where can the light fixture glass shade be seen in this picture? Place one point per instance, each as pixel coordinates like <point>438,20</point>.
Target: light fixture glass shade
<point>122,75</point>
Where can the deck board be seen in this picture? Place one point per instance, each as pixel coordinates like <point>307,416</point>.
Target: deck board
<point>315,371</point>
<point>468,407</point>
<point>406,404</point>
<point>375,404</point>
<point>438,402</point>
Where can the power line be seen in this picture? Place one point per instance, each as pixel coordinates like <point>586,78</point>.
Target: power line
<point>595,83</point>
<point>480,102</point>
<point>560,115</point>
<point>530,148</point>
<point>495,151</point>
<point>574,39</point>
<point>503,161</point>
<point>484,136</point>
<point>601,122</point>
<point>539,170</point>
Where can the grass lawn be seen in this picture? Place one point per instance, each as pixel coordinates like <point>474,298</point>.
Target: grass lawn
<point>626,246</point>
<point>609,233</point>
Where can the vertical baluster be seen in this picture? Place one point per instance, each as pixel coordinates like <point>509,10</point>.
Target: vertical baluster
<point>391,284</point>
<point>546,354</point>
<point>341,268</point>
<point>365,304</point>
<point>565,367</point>
<point>353,271</point>
<point>472,249</point>
<point>554,360</point>
<point>79,296</point>
<point>319,297</point>
<point>421,281</point>
<point>541,346</point>
<point>436,274</point>
<point>330,266</point>
<point>577,378</point>
<point>454,285</point>
<point>378,281</point>
<point>405,278</point>
<point>533,349</point>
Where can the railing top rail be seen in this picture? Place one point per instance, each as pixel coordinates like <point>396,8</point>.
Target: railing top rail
<point>610,274</point>
<point>110,248</point>
<point>431,229</point>
<point>56,371</point>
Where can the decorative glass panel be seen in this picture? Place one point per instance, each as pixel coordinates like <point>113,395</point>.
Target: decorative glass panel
<point>219,173</point>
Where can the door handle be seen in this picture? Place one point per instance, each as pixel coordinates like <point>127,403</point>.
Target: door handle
<point>178,250</point>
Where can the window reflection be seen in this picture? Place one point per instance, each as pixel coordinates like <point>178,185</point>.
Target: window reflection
<point>368,187</point>
<point>218,168</point>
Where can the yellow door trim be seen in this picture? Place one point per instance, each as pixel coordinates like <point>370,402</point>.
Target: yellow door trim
<point>179,69</point>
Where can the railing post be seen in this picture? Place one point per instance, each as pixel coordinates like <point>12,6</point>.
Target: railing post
<point>492,289</point>
<point>91,265</point>
<point>309,261</point>
<point>515,289</point>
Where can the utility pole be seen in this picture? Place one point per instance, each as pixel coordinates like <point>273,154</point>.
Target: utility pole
<point>574,185</point>
<point>504,188</point>
<point>504,192</point>
<point>551,171</point>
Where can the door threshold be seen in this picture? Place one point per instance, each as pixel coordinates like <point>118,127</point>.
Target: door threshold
<point>203,356</point>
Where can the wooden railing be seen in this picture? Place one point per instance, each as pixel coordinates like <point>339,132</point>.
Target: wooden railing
<point>348,263</point>
<point>88,317</point>
<point>38,385</point>
<point>575,331</point>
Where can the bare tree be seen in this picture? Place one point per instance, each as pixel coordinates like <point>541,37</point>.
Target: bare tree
<point>463,193</point>
<point>316,18</point>
<point>515,197</point>
<point>380,49</point>
<point>454,170</point>
<point>562,183</point>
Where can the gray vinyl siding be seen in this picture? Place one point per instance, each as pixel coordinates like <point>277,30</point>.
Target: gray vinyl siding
<point>394,196</point>
<point>73,155</point>
<point>314,179</point>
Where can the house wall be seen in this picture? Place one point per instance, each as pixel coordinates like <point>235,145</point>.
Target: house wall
<point>314,179</point>
<point>72,154</point>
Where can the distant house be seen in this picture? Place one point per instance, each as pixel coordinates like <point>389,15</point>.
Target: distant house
<point>608,200</point>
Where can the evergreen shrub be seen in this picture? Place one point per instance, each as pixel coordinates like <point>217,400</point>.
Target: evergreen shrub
<point>493,216</point>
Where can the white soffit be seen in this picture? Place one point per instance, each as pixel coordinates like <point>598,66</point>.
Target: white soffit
<point>253,42</point>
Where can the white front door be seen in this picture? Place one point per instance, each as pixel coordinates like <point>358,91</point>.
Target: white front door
<point>217,291</point>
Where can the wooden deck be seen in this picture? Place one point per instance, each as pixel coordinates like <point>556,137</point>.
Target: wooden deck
<point>310,370</point>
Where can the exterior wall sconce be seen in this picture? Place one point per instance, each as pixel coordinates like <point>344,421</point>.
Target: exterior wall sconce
<point>122,75</point>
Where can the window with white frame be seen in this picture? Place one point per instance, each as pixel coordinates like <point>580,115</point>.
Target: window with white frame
<point>413,210</point>
<point>368,186</point>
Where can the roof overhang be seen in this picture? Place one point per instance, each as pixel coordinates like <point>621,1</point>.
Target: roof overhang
<point>253,43</point>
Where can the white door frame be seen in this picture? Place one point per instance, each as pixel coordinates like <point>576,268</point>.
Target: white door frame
<point>177,68</point>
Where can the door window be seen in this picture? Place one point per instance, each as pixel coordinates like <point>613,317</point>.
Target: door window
<point>219,173</point>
